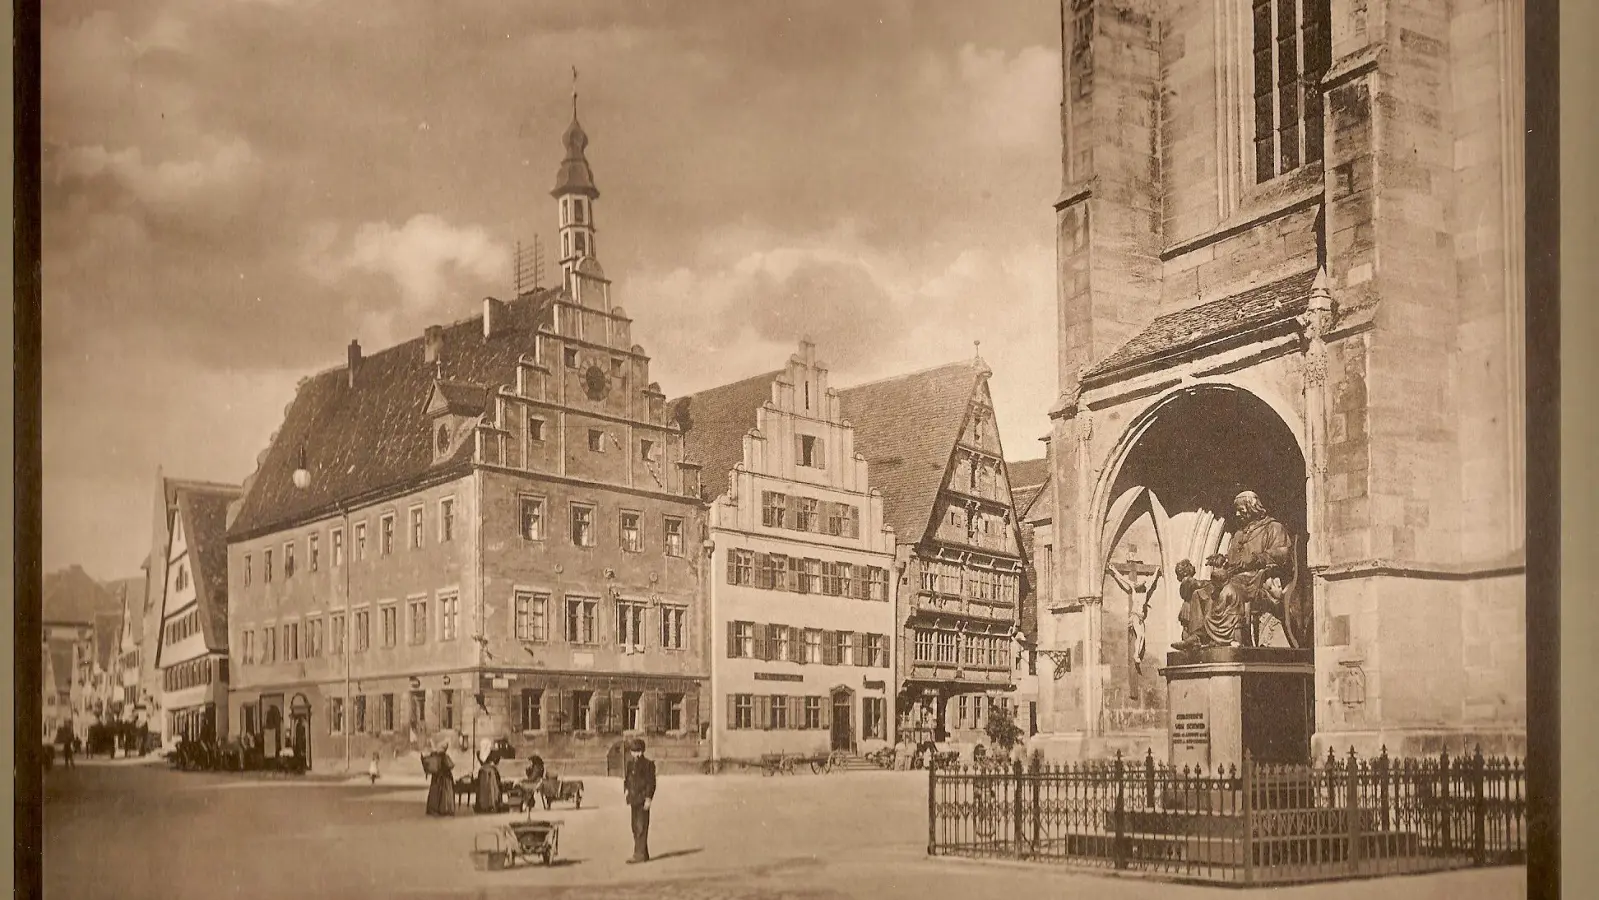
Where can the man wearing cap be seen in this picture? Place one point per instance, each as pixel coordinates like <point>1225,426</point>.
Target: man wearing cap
<point>638,785</point>
<point>1261,549</point>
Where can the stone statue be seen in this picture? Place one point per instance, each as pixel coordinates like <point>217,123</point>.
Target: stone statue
<point>1139,593</point>
<point>1259,563</point>
<point>1198,596</point>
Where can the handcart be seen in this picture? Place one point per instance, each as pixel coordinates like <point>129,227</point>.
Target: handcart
<point>535,837</point>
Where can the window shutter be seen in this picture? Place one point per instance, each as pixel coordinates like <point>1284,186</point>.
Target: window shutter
<point>763,711</point>
<point>821,453</point>
<point>732,566</point>
<point>613,712</point>
<point>569,708</point>
<point>799,448</point>
<point>763,641</point>
<point>650,712</point>
<point>796,645</point>
<point>691,714</point>
<point>796,567</point>
<point>852,525</point>
<point>732,640</point>
<point>732,711</point>
<point>796,712</point>
<point>827,712</point>
<point>829,658</point>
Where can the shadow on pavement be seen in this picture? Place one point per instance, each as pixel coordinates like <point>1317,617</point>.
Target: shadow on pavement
<point>660,856</point>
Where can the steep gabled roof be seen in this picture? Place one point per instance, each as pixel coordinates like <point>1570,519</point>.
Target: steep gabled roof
<point>906,427</point>
<point>107,630</point>
<point>714,423</point>
<point>204,514</point>
<point>61,665</point>
<point>71,595</point>
<point>463,399</point>
<point>374,436</point>
<point>1278,301</point>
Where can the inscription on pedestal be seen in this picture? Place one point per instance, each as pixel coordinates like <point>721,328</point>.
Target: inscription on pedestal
<point>1191,731</point>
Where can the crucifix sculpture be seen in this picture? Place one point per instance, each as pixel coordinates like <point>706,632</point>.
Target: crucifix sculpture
<point>1129,576</point>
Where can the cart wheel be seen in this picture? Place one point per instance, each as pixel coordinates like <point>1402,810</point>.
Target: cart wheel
<point>546,855</point>
<point>577,802</point>
<point>818,766</point>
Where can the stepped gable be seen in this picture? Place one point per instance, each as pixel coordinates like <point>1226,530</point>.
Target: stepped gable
<point>1278,301</point>
<point>205,515</point>
<point>375,437</point>
<point>906,427</point>
<point>714,423</point>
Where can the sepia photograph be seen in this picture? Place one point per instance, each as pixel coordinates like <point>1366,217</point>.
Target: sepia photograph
<point>840,449</point>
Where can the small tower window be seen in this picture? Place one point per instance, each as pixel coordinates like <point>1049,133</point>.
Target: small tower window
<point>581,242</point>
<point>579,213</point>
<point>444,438</point>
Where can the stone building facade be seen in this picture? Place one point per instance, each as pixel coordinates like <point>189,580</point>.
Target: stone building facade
<point>800,581</point>
<point>494,535</point>
<point>1290,250</point>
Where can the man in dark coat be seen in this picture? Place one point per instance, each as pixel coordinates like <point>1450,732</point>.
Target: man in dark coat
<point>638,786</point>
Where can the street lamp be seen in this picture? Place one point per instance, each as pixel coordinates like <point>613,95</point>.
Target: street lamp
<point>302,481</point>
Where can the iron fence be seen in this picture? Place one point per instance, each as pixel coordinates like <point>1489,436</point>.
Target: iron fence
<point>1258,823</point>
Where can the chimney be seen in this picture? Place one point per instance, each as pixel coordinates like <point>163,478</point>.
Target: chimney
<point>355,359</point>
<point>492,311</point>
<point>433,343</point>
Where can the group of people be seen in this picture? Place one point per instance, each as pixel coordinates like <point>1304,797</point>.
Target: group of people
<point>638,786</point>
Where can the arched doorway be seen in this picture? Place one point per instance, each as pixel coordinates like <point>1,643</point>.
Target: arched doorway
<point>300,728</point>
<point>1168,497</point>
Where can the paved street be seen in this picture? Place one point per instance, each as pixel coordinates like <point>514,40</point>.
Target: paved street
<point>142,831</point>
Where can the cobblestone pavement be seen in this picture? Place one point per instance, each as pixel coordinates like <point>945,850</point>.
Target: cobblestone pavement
<point>141,831</point>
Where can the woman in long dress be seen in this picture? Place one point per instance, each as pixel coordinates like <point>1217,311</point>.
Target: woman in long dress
<point>441,785</point>
<point>488,783</point>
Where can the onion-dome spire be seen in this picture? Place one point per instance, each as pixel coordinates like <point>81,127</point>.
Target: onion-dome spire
<point>575,176</point>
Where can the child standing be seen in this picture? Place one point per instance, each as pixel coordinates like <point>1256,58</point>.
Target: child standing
<point>372,770</point>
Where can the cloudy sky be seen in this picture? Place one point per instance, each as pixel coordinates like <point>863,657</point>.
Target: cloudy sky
<point>233,190</point>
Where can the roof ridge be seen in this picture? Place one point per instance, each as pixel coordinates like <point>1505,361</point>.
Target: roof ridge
<point>966,363</point>
<point>727,385</point>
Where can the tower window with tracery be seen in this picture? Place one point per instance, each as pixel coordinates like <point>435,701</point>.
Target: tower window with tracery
<point>1292,48</point>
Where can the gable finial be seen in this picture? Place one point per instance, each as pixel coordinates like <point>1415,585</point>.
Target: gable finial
<point>574,92</point>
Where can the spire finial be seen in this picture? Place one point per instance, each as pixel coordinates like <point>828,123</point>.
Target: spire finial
<point>977,349</point>
<point>574,93</point>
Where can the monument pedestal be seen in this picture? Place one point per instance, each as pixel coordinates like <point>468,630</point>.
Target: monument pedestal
<point>1224,701</point>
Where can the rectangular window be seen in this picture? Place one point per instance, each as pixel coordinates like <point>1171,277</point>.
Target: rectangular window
<point>446,520</point>
<point>419,621</point>
<point>646,450</point>
<point>337,538</point>
<point>535,429</point>
<point>674,536</point>
<point>630,624</point>
<point>632,532</point>
<point>830,579</point>
<point>336,715</point>
<point>924,646</point>
<point>813,646</point>
<point>447,708</point>
<point>363,630</point>
<point>415,513</point>
<point>386,535</point>
<point>874,715</point>
<point>673,620</point>
<point>773,573</point>
<point>806,575</point>
<point>673,707</point>
<point>773,507</point>
<point>877,650</point>
<point>314,551</point>
<point>596,440</point>
<point>741,567</point>
<point>743,711</point>
<point>531,616</point>
<point>336,629</point>
<point>580,613</point>
<point>582,706</point>
<point>813,713</point>
<point>778,712</point>
<point>782,643</point>
<point>419,708</point>
<point>532,710</point>
<point>449,616</point>
<point>266,566</point>
<point>386,712</point>
<point>631,701</point>
<point>291,641</point>
<point>742,643</point>
<point>360,540</point>
<point>845,649</point>
<point>531,517</point>
<point>582,525</point>
<point>946,647</point>
<point>246,568</point>
<point>391,625</point>
<point>247,651</point>
<point>877,587</point>
<point>288,560</point>
<point>810,452</point>
<point>570,355</point>
<point>360,715</point>
<point>805,514</point>
<point>1292,51</point>
<point>846,579</point>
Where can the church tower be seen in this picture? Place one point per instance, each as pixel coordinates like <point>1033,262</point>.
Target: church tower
<point>575,194</point>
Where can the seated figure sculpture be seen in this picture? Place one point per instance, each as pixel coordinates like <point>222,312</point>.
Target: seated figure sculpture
<point>1259,559</point>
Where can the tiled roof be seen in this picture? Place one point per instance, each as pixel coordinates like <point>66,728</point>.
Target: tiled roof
<point>906,427</point>
<point>464,399</point>
<point>375,436</point>
<point>1209,321</point>
<point>205,516</point>
<point>1026,473</point>
<point>71,595</point>
<point>715,421</point>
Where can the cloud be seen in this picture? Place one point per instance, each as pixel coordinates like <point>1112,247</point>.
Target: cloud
<point>168,187</point>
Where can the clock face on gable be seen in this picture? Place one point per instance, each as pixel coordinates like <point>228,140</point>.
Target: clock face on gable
<point>596,383</point>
